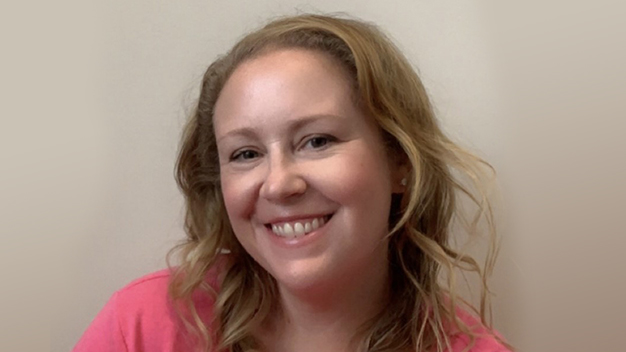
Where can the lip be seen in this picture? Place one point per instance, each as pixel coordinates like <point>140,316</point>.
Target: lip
<point>301,241</point>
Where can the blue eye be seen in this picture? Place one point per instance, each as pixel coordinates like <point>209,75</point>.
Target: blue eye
<point>244,155</point>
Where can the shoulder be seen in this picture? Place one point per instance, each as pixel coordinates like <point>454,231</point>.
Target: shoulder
<point>144,291</point>
<point>486,340</point>
<point>142,317</point>
<point>146,301</point>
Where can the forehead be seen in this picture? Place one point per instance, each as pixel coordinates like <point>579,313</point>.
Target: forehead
<point>284,85</point>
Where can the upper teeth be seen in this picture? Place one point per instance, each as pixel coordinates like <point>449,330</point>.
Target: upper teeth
<point>296,229</point>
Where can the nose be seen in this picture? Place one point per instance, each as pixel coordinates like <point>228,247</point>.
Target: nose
<point>283,180</point>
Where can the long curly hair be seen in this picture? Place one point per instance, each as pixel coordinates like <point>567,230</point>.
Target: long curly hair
<point>424,262</point>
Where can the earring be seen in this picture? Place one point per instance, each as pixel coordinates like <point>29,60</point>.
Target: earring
<point>403,181</point>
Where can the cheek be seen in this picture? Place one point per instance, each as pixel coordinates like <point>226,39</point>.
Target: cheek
<point>239,205</point>
<point>238,197</point>
<point>361,181</point>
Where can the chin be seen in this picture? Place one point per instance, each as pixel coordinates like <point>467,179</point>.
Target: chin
<point>302,275</point>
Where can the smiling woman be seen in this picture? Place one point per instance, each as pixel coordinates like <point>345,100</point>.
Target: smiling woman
<point>320,195</point>
<point>316,160</point>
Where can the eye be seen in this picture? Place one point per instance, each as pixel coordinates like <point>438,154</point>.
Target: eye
<point>244,155</point>
<point>318,142</point>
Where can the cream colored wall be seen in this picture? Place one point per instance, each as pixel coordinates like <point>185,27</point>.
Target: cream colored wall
<point>112,209</point>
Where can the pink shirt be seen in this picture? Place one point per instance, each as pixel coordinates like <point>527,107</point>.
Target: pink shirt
<point>140,318</point>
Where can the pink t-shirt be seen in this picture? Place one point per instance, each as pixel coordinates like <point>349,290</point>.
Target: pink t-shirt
<point>140,318</point>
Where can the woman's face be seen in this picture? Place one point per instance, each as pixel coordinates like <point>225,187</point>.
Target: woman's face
<point>305,176</point>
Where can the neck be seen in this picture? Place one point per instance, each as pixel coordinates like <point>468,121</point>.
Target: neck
<point>327,316</point>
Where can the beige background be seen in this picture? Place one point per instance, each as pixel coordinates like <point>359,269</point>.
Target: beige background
<point>95,95</point>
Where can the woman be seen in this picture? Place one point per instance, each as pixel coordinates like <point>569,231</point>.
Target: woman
<point>320,194</point>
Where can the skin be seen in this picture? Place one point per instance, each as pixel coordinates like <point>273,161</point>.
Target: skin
<point>293,146</point>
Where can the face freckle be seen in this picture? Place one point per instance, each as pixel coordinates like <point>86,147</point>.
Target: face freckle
<point>304,173</point>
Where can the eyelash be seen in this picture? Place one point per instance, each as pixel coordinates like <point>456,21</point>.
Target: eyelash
<point>239,156</point>
<point>327,139</point>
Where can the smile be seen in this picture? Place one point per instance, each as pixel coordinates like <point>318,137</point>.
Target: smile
<point>294,229</point>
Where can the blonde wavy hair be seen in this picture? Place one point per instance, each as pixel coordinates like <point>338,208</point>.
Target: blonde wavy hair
<point>424,264</point>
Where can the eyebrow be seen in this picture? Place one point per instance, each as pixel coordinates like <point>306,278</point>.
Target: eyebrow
<point>301,122</point>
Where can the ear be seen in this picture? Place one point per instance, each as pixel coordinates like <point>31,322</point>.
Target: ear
<point>400,177</point>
